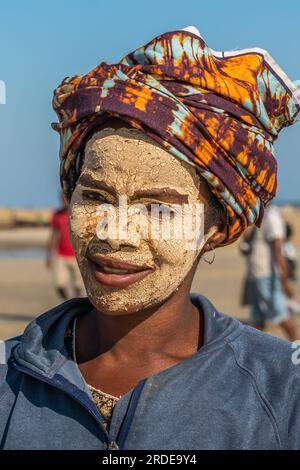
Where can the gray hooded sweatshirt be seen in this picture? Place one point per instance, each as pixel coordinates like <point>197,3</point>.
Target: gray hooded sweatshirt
<point>239,391</point>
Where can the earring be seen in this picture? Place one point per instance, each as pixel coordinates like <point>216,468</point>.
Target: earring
<point>213,259</point>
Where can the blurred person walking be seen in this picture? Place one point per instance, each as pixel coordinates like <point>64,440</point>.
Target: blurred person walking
<point>268,284</point>
<point>61,258</point>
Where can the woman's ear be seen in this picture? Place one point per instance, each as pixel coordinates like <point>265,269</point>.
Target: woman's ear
<point>216,239</point>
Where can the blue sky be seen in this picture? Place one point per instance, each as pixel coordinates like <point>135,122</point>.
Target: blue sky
<point>42,42</point>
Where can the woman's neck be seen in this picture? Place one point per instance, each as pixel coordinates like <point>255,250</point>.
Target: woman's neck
<point>142,343</point>
<point>154,332</point>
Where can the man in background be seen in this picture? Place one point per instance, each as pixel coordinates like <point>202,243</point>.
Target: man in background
<point>269,285</point>
<point>60,256</point>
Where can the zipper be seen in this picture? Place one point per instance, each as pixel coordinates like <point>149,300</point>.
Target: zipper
<point>126,423</point>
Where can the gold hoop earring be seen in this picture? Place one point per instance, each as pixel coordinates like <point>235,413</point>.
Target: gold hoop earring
<point>214,256</point>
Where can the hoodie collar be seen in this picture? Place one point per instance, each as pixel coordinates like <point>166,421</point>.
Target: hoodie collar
<point>42,347</point>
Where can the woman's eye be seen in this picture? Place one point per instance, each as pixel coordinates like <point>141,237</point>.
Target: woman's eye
<point>95,197</point>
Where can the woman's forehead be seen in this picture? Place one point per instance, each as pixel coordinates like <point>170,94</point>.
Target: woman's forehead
<point>129,157</point>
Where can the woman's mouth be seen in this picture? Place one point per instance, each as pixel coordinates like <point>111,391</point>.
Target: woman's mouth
<point>117,273</point>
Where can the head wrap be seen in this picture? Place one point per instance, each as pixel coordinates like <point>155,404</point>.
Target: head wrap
<point>219,111</point>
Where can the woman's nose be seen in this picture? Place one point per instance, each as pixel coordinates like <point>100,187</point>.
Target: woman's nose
<point>118,234</point>
<point>129,237</point>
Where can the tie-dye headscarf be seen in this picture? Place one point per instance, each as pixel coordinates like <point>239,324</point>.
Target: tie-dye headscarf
<point>219,111</point>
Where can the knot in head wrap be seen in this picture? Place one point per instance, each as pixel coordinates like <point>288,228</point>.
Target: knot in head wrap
<point>219,111</point>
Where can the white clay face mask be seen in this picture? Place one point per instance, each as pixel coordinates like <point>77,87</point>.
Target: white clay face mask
<point>125,162</point>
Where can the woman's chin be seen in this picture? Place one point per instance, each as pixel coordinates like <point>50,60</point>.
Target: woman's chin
<point>116,301</point>
<point>111,307</point>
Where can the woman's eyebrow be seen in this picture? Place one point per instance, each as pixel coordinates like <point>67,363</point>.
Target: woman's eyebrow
<point>166,194</point>
<point>89,181</point>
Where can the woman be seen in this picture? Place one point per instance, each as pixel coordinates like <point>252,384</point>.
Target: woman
<point>141,363</point>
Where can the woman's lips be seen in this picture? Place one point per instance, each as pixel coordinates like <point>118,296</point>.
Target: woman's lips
<point>117,273</point>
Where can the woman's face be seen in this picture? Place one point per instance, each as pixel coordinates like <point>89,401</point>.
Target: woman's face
<point>125,163</point>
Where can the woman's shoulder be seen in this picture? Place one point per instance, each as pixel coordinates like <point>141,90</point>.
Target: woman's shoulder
<point>257,347</point>
<point>272,365</point>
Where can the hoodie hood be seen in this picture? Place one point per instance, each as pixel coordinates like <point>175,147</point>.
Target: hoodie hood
<point>42,347</point>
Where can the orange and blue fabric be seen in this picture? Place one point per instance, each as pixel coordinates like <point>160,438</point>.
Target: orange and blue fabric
<point>219,111</point>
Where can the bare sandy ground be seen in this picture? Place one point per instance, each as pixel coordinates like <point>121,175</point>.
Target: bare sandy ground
<point>26,288</point>
<point>24,237</point>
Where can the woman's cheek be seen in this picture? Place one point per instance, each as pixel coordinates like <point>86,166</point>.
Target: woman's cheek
<point>173,252</point>
<point>83,224</point>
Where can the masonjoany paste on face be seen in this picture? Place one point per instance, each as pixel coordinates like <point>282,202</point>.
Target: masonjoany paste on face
<point>127,160</point>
